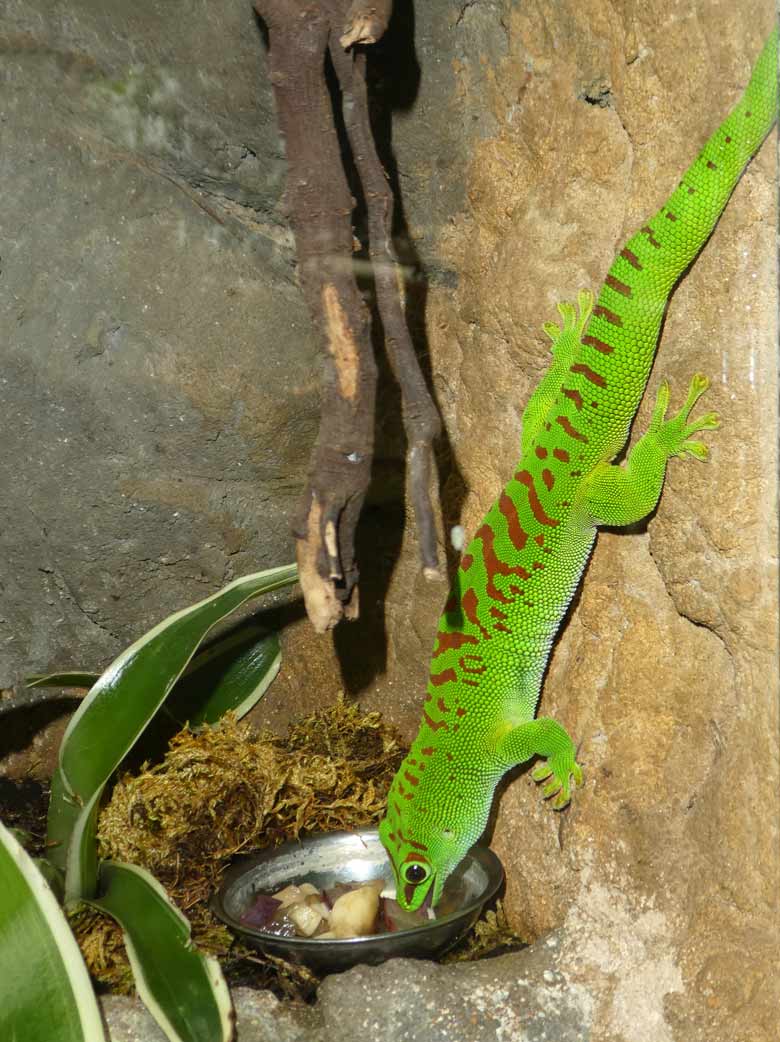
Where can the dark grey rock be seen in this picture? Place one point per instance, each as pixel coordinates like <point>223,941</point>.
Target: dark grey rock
<point>159,384</point>
<point>521,997</point>
<point>159,378</point>
<point>260,1017</point>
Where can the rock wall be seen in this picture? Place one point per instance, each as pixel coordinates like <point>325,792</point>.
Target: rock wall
<point>160,397</point>
<point>664,871</point>
<point>160,382</point>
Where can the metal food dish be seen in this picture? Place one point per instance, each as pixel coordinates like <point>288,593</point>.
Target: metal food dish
<point>348,857</point>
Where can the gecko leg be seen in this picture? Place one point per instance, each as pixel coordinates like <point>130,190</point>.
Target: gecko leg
<point>616,495</point>
<point>544,737</point>
<point>565,347</point>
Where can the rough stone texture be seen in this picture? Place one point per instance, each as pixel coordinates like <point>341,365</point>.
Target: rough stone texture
<point>259,1017</point>
<point>665,869</point>
<point>159,383</point>
<point>523,997</point>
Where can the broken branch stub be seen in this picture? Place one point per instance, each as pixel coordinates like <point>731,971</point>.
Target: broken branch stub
<point>365,22</point>
<point>319,206</point>
<point>421,417</point>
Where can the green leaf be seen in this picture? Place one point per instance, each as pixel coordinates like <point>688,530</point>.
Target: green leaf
<point>183,990</point>
<point>45,985</point>
<point>115,712</point>
<point>65,678</point>
<point>232,674</point>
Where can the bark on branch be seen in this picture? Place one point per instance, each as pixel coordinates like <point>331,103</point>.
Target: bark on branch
<point>319,206</point>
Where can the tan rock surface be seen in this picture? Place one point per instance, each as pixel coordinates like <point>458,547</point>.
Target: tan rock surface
<point>665,869</point>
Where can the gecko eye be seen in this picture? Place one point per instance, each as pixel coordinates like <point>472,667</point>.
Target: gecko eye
<point>415,872</point>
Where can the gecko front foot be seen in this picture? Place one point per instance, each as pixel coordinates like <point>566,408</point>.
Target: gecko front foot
<point>674,434</point>
<point>558,772</point>
<point>543,737</point>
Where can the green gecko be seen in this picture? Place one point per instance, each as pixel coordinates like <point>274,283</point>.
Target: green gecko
<point>521,569</point>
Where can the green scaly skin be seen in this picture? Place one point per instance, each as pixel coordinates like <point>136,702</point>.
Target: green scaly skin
<point>521,569</point>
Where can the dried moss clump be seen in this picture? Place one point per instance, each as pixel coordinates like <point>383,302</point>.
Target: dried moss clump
<point>492,935</point>
<point>227,789</point>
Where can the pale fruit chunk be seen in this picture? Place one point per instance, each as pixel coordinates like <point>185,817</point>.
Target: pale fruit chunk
<point>307,915</point>
<point>292,894</point>
<point>354,914</point>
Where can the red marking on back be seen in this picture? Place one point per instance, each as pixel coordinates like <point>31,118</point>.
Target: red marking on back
<point>471,683</point>
<point>428,750</point>
<point>570,430</point>
<point>501,628</point>
<point>711,165</point>
<point>435,724</point>
<point>671,216</point>
<point>727,139</point>
<point>589,374</point>
<point>470,607</point>
<point>526,478</point>
<point>600,345</point>
<point>515,530</point>
<point>442,705</point>
<point>460,711</point>
<point>466,562</point>
<point>497,613</point>
<point>574,395</point>
<point>411,778</point>
<point>537,565</point>
<point>451,641</point>
<point>632,258</point>
<point>541,452</point>
<point>539,539</point>
<point>495,566</point>
<point>561,454</point>
<point>691,191</point>
<point>445,677</point>
<point>548,479</point>
<point>449,756</point>
<point>478,669</point>
<point>648,231</point>
<point>401,789</point>
<point>610,316</point>
<point>618,286</point>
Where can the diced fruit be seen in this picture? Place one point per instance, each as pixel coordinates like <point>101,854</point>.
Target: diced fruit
<point>291,894</point>
<point>261,911</point>
<point>355,913</point>
<point>307,915</point>
<point>397,918</point>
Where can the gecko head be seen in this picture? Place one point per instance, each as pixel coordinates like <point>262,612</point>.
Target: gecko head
<point>422,855</point>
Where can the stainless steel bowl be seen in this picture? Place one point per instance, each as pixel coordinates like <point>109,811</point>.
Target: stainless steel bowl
<point>348,857</point>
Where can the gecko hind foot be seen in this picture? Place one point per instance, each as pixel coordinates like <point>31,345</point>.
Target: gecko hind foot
<point>674,434</point>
